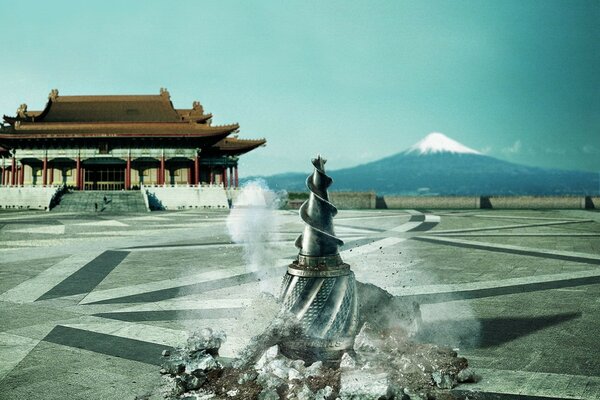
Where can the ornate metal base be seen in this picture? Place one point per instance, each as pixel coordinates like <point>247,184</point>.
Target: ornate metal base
<point>323,299</point>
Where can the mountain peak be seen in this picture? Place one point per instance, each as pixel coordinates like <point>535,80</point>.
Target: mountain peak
<point>437,142</point>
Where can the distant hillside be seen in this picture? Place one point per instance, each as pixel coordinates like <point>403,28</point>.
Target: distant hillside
<point>440,165</point>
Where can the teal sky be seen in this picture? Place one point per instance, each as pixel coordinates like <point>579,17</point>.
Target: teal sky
<point>355,81</point>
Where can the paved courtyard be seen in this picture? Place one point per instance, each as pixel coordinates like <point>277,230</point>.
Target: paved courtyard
<point>88,302</point>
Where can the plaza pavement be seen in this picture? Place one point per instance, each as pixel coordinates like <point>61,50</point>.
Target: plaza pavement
<point>89,301</point>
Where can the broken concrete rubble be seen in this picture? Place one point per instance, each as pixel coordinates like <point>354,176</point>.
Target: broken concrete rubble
<point>384,364</point>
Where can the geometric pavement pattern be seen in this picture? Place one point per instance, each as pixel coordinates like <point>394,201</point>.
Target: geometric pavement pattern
<point>89,301</point>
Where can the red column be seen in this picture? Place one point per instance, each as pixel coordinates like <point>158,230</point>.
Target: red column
<point>224,179</point>
<point>22,175</point>
<point>212,176</point>
<point>45,171</point>
<point>13,172</point>
<point>161,177</point>
<point>51,170</point>
<point>3,173</point>
<point>78,173</point>
<point>197,170</point>
<point>82,178</point>
<point>128,173</point>
<point>236,183</point>
<point>189,170</point>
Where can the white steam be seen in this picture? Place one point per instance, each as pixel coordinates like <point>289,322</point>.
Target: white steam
<point>254,224</point>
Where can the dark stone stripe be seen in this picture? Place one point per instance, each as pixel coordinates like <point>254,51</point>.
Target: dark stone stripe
<point>503,290</point>
<point>484,235</point>
<point>494,228</point>
<point>425,226</point>
<point>40,222</point>
<point>87,277</point>
<point>173,315</point>
<point>202,287</point>
<point>159,246</point>
<point>465,393</point>
<point>130,349</point>
<point>532,253</point>
<point>416,218</point>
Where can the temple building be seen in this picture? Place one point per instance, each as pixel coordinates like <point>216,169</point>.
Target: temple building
<point>118,142</point>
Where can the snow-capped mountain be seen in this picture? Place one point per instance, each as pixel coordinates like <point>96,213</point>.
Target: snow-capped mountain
<point>437,142</point>
<point>440,165</point>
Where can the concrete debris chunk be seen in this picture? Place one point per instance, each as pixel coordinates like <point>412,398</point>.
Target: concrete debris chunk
<point>298,365</point>
<point>192,382</point>
<point>268,394</point>
<point>268,356</point>
<point>347,361</point>
<point>315,369</point>
<point>206,363</point>
<point>294,374</point>
<point>323,394</point>
<point>247,377</point>
<point>172,367</point>
<point>268,380</point>
<point>179,387</point>
<point>279,369</point>
<point>443,380</point>
<point>205,341</point>
<point>305,394</point>
<point>365,342</point>
<point>363,385</point>
<point>466,375</point>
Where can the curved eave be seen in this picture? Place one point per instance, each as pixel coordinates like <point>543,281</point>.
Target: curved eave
<point>13,120</point>
<point>90,130</point>
<point>233,147</point>
<point>36,115</point>
<point>202,118</point>
<point>189,115</point>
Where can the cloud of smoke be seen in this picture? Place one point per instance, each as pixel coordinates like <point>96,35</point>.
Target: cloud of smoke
<point>451,323</point>
<point>254,224</point>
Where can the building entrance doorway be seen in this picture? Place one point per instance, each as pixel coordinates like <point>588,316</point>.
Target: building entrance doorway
<point>104,177</point>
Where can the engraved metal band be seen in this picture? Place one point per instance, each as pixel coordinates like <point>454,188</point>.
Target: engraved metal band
<point>323,262</point>
<point>341,270</point>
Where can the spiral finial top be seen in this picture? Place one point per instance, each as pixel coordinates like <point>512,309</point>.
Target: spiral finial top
<point>318,238</point>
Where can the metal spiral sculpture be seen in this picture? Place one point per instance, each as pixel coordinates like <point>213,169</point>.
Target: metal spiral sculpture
<point>319,289</point>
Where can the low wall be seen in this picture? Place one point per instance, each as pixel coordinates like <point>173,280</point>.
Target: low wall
<point>185,197</point>
<point>368,200</point>
<point>353,200</point>
<point>429,202</point>
<point>27,197</point>
<point>517,202</point>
